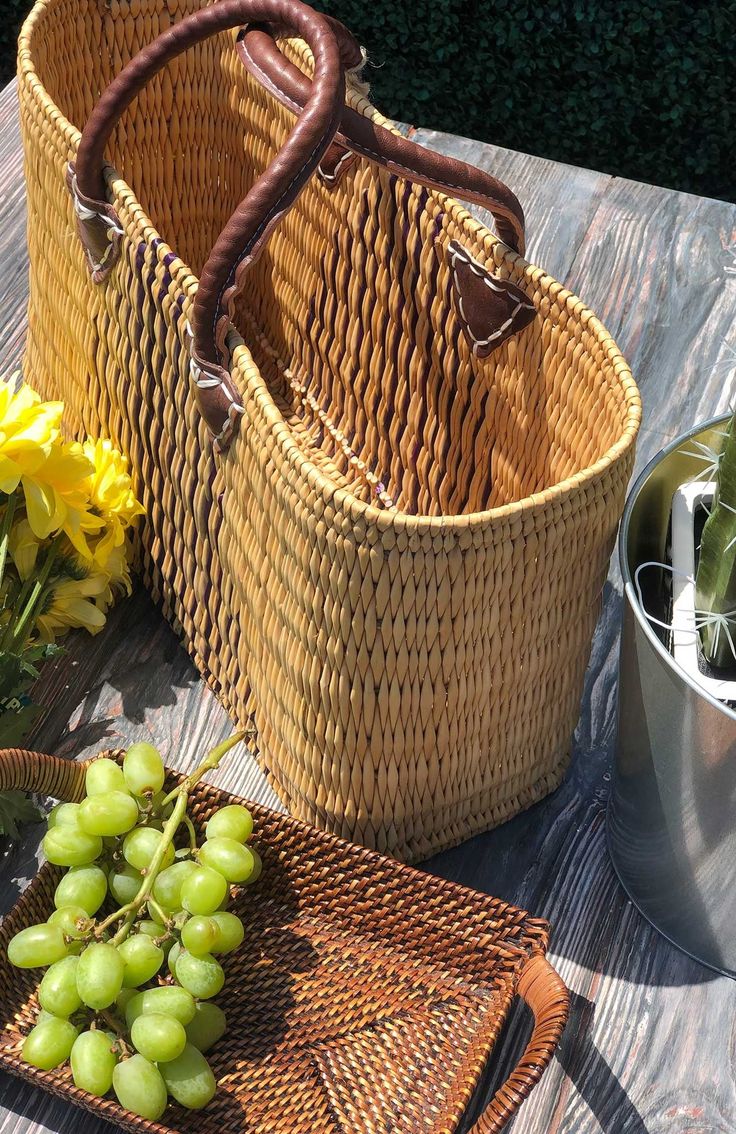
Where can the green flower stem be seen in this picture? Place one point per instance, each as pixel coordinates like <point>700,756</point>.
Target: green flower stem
<point>715,583</point>
<point>5,530</point>
<point>15,635</point>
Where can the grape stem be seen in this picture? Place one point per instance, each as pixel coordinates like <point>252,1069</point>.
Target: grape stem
<point>211,761</point>
<point>192,833</point>
<point>129,911</point>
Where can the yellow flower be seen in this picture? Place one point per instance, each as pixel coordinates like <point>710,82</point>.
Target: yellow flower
<point>75,603</point>
<point>56,496</point>
<point>23,547</point>
<point>28,429</point>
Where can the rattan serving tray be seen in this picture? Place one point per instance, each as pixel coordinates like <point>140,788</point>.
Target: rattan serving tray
<point>367,996</point>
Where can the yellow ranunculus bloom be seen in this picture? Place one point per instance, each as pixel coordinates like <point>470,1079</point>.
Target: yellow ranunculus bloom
<point>70,538</point>
<point>28,429</point>
<point>56,494</point>
<point>74,603</point>
<point>23,547</point>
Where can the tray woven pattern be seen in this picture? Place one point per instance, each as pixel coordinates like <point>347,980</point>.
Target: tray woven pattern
<point>367,996</point>
<point>414,674</point>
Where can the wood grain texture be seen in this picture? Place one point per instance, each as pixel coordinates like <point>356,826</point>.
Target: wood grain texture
<point>650,1047</point>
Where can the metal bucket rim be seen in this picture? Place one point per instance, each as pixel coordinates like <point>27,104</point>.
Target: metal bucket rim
<point>629,588</point>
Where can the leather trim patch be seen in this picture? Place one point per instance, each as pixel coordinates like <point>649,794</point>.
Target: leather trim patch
<point>216,400</point>
<point>335,164</point>
<point>99,230</point>
<point>490,310</point>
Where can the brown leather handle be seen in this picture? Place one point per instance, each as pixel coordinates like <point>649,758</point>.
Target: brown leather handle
<point>359,134</point>
<point>269,198</point>
<point>546,995</point>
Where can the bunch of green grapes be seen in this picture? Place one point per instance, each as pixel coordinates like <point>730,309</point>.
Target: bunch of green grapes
<point>106,1005</point>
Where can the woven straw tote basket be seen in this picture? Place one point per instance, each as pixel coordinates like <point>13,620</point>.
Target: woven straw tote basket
<point>383,458</point>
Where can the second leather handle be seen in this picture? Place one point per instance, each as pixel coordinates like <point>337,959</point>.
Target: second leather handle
<point>264,60</point>
<point>273,193</point>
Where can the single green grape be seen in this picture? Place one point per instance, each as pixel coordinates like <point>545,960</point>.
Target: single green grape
<point>257,868</point>
<point>57,992</point>
<point>63,815</point>
<point>203,890</point>
<point>104,775</point>
<point>44,1014</point>
<point>230,932</point>
<point>49,1044</point>
<point>202,976</point>
<point>158,1037</point>
<point>70,846</point>
<point>93,1061</point>
<point>100,974</point>
<point>189,1078</point>
<point>232,860</point>
<point>200,934</point>
<point>140,845</point>
<point>73,920</point>
<point>168,884</point>
<point>143,769</point>
<point>153,929</point>
<point>37,946</point>
<point>139,1087</point>
<point>124,884</point>
<point>124,997</point>
<point>111,813</point>
<point>231,822</point>
<point>84,886</point>
<point>207,1026</point>
<point>168,999</point>
<point>142,960</point>
<point>171,960</point>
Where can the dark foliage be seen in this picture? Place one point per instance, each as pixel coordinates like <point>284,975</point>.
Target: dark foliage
<point>640,88</point>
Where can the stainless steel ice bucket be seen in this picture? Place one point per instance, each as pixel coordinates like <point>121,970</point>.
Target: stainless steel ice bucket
<point>672,815</point>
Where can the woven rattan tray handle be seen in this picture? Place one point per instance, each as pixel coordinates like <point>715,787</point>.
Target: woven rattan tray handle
<point>261,56</point>
<point>549,1000</point>
<point>22,770</point>
<point>272,195</point>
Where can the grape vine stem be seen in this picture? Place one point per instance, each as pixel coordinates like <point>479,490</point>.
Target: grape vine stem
<point>180,795</point>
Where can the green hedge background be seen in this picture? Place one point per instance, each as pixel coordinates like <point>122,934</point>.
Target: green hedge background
<point>640,89</point>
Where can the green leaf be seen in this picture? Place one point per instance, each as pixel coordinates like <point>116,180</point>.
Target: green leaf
<point>16,808</point>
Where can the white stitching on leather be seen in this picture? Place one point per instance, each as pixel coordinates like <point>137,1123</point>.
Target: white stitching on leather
<point>331,178</point>
<point>459,253</point>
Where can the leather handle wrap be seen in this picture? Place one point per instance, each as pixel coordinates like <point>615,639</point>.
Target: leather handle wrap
<point>269,198</point>
<point>22,770</point>
<point>548,998</point>
<point>399,155</point>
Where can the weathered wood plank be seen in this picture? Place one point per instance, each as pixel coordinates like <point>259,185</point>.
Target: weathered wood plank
<point>648,1047</point>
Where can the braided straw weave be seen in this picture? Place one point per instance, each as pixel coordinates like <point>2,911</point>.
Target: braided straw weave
<point>413,661</point>
<point>367,997</point>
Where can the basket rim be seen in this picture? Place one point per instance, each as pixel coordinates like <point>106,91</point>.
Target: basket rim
<point>533,505</point>
<point>505,988</point>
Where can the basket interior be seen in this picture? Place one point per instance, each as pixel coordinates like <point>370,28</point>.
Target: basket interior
<point>352,297</point>
<point>366,997</point>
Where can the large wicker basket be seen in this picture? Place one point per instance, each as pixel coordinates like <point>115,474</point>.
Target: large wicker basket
<point>367,997</point>
<point>395,566</point>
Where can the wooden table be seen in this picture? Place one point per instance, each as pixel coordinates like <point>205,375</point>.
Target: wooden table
<point>651,1045</point>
